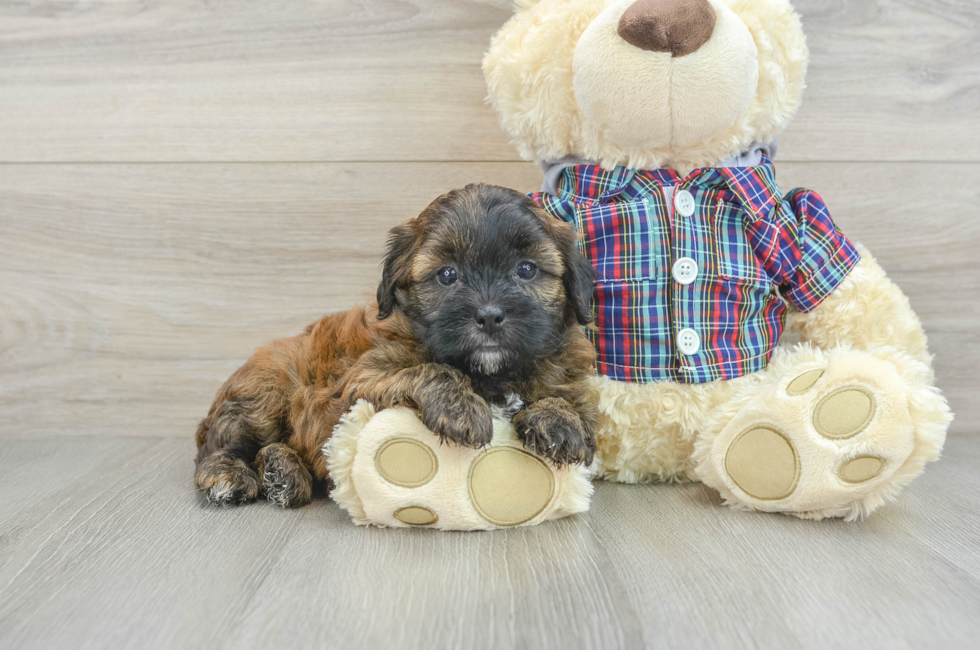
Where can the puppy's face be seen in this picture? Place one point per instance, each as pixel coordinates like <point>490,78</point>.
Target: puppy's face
<point>487,280</point>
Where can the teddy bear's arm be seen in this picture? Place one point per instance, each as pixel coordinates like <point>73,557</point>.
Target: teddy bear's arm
<point>845,296</point>
<point>866,311</point>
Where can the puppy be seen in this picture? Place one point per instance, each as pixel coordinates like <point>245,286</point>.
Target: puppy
<point>482,295</point>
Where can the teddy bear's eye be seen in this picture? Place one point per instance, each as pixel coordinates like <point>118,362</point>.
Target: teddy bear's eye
<point>527,270</point>
<point>446,275</point>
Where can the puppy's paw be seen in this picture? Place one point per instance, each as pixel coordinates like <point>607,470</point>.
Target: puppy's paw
<point>461,417</point>
<point>551,428</point>
<point>285,480</point>
<point>226,481</point>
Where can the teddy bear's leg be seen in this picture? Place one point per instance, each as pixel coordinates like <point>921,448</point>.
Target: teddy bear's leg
<point>647,432</point>
<point>826,434</point>
<point>833,432</point>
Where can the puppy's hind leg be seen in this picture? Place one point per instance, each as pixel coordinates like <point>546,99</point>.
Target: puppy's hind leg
<point>224,461</point>
<point>285,479</point>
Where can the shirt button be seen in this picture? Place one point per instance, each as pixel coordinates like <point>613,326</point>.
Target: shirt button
<point>684,202</point>
<point>688,341</point>
<point>685,270</point>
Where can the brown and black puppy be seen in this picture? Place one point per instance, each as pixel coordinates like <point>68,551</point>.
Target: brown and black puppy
<point>482,295</point>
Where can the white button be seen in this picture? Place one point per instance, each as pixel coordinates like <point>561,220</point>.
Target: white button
<point>688,341</point>
<point>684,202</point>
<point>685,270</point>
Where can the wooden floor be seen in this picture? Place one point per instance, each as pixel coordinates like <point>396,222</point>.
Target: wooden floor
<point>181,181</point>
<point>106,546</point>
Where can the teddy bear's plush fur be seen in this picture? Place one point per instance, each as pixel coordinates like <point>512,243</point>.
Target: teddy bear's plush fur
<point>567,86</point>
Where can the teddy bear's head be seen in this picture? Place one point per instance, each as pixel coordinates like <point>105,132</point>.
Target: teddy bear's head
<point>646,83</point>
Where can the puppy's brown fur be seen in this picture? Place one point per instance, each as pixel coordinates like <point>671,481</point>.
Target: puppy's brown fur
<point>419,347</point>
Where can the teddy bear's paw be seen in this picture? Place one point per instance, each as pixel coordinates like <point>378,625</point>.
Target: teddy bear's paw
<point>817,441</point>
<point>389,470</point>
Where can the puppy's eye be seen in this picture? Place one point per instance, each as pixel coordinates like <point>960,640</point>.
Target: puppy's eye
<point>527,270</point>
<point>446,275</point>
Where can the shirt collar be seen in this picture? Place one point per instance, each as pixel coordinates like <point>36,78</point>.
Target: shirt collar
<point>754,187</point>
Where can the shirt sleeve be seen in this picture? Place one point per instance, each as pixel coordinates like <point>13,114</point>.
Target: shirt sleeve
<point>556,207</point>
<point>811,256</point>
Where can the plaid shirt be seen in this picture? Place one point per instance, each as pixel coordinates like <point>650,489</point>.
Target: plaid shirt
<point>754,251</point>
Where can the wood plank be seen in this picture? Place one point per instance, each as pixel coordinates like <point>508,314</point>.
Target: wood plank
<point>126,555</point>
<point>26,484</point>
<point>236,80</point>
<point>888,81</point>
<point>163,570</point>
<point>700,575</point>
<point>128,293</point>
<point>377,80</point>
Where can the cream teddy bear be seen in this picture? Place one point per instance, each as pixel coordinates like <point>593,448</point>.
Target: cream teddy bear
<point>655,122</point>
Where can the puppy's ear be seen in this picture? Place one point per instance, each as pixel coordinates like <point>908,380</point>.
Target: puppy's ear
<point>403,241</point>
<point>579,276</point>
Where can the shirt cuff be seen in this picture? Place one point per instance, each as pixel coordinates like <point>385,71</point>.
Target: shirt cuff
<point>822,282</point>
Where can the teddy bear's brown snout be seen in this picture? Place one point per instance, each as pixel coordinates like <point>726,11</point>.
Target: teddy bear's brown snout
<point>676,26</point>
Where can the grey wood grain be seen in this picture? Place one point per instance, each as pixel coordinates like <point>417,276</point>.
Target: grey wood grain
<point>376,80</point>
<point>749,579</point>
<point>128,293</point>
<point>133,558</point>
<point>125,554</point>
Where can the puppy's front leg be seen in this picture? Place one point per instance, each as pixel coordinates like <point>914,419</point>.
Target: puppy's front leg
<point>551,427</point>
<point>445,400</point>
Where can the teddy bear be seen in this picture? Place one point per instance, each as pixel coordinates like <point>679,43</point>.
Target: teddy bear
<point>655,123</point>
<point>742,339</point>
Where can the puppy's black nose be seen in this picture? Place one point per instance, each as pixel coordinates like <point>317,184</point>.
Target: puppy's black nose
<point>489,318</point>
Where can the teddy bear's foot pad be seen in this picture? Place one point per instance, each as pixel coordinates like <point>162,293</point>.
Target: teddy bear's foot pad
<point>815,441</point>
<point>844,413</point>
<point>763,462</point>
<point>861,469</point>
<point>406,462</point>
<point>509,486</point>
<point>416,516</point>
